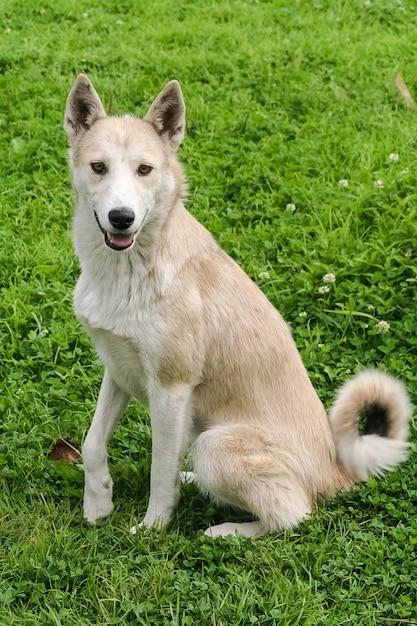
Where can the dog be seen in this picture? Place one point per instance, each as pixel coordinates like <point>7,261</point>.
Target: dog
<point>180,327</point>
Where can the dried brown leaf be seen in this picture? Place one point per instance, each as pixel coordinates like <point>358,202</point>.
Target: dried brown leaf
<point>64,450</point>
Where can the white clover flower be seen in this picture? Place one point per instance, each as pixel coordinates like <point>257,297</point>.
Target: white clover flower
<point>367,3</point>
<point>329,278</point>
<point>44,332</point>
<point>7,31</point>
<point>324,289</point>
<point>264,275</point>
<point>320,345</point>
<point>291,207</point>
<point>343,182</point>
<point>119,22</point>
<point>394,156</point>
<point>302,314</point>
<point>379,184</point>
<point>383,326</point>
<point>370,307</point>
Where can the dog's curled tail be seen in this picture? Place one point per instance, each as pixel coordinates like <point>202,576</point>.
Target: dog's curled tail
<point>369,421</point>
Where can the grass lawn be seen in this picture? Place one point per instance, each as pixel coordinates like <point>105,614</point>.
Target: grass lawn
<point>285,99</point>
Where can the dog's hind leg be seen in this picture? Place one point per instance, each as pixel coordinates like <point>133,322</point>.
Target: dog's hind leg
<point>246,529</point>
<point>239,465</point>
<point>98,483</point>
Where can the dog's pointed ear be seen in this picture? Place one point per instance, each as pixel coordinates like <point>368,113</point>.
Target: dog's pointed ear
<point>84,107</point>
<point>167,114</point>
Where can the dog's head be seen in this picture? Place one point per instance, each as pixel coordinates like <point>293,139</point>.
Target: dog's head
<point>125,171</point>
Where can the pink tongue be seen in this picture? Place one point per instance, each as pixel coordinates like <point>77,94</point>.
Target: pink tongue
<point>120,240</point>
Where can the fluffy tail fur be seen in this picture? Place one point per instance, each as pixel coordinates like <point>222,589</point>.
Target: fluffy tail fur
<point>369,421</point>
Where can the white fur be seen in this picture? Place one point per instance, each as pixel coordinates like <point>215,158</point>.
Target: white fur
<point>169,420</point>
<point>245,529</point>
<point>187,478</point>
<point>98,483</point>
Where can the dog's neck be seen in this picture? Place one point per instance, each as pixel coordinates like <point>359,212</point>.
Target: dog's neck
<point>133,278</point>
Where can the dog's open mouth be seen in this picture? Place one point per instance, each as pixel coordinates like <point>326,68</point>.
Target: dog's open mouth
<point>116,241</point>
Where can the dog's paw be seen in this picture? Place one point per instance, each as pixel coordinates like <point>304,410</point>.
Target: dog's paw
<point>142,527</point>
<point>156,517</point>
<point>187,478</point>
<point>98,496</point>
<point>221,530</point>
<point>95,508</point>
<point>97,499</point>
<point>246,529</point>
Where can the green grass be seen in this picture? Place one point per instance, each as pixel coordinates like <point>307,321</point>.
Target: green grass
<point>284,99</point>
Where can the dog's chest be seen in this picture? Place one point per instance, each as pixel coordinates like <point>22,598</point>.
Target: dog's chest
<point>122,357</point>
<point>124,333</point>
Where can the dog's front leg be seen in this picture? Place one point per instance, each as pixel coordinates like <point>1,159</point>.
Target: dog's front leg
<point>98,483</point>
<point>169,410</point>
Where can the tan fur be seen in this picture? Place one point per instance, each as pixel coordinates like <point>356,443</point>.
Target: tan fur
<point>207,342</point>
<point>251,373</point>
<point>370,455</point>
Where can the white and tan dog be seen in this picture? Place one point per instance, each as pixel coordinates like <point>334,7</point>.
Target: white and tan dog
<point>180,327</point>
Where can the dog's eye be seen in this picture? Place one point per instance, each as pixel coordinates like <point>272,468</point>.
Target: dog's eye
<point>144,170</point>
<point>98,167</point>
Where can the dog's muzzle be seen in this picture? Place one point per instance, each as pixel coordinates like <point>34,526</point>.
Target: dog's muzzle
<point>116,241</point>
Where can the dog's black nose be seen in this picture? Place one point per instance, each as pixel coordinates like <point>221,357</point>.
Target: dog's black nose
<point>121,217</point>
